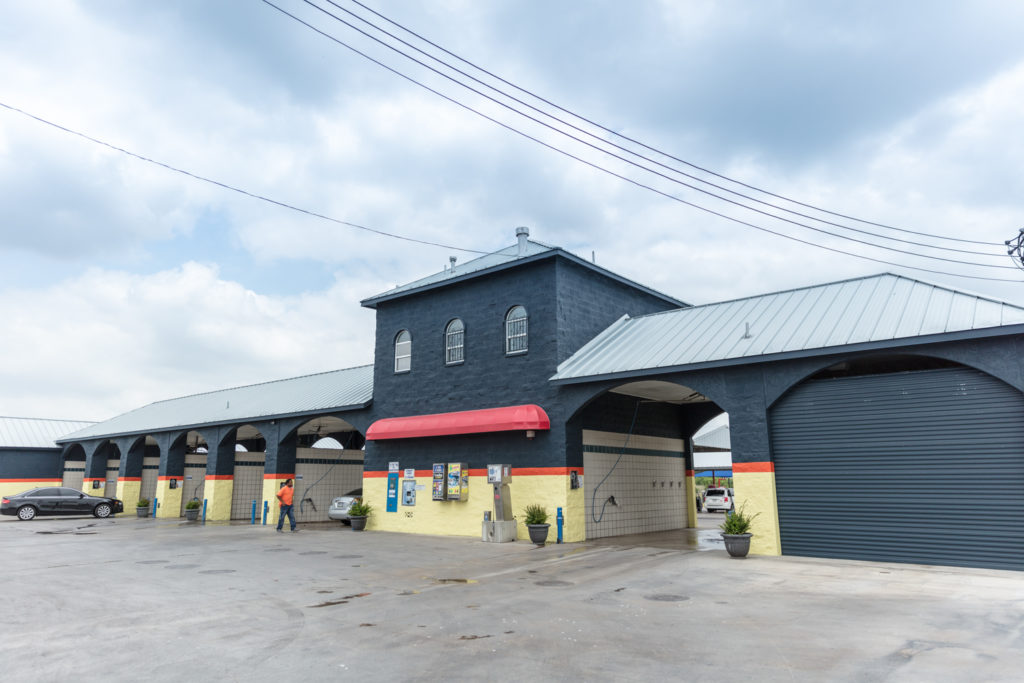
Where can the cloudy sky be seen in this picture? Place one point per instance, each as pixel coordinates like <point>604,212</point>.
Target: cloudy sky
<point>122,282</point>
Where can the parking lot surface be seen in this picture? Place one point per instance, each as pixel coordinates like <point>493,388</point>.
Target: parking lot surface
<point>143,599</point>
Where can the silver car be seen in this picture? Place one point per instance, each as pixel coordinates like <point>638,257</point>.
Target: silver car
<point>718,498</point>
<point>341,504</point>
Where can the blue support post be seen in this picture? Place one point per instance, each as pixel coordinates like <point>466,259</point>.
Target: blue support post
<point>252,518</point>
<point>561,520</point>
<point>155,506</point>
<point>204,510</point>
<point>266,511</point>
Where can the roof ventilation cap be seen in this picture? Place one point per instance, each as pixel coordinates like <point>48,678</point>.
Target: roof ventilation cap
<point>522,235</point>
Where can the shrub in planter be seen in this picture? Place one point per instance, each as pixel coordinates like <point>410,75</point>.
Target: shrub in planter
<point>357,514</point>
<point>736,531</point>
<point>142,507</point>
<point>192,509</point>
<point>535,518</point>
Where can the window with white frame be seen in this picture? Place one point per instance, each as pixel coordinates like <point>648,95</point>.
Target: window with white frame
<point>516,331</point>
<point>403,351</point>
<point>454,342</point>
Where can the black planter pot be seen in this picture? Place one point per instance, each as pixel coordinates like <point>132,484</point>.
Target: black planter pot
<point>192,514</point>
<point>358,523</point>
<point>538,533</point>
<point>142,512</point>
<point>737,545</point>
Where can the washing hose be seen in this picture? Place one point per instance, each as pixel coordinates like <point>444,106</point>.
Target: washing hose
<point>593,499</point>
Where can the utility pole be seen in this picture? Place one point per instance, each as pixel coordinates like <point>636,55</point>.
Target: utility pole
<point>1015,248</point>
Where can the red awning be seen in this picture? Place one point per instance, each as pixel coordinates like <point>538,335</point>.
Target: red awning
<point>512,418</point>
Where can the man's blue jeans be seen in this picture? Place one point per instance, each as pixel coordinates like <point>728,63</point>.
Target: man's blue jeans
<point>286,510</point>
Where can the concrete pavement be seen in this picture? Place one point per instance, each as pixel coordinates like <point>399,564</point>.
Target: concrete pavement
<point>164,600</point>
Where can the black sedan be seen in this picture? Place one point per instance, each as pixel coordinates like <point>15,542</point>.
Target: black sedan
<point>57,500</point>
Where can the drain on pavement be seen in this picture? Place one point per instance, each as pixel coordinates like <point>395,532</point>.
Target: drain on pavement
<point>666,597</point>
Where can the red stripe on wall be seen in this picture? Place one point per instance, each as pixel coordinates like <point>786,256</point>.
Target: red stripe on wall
<point>482,472</point>
<point>40,479</point>
<point>131,478</point>
<point>748,467</point>
<point>219,477</point>
<point>690,473</point>
<point>279,476</point>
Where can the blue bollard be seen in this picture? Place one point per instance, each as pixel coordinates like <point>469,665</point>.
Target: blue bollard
<point>252,518</point>
<point>155,506</point>
<point>561,521</point>
<point>266,511</point>
<point>204,510</point>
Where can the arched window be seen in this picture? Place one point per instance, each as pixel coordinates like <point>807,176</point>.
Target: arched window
<point>403,351</point>
<point>516,332</point>
<point>454,343</point>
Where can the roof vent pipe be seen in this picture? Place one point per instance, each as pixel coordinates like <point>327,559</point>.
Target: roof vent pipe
<point>452,260</point>
<point>522,235</point>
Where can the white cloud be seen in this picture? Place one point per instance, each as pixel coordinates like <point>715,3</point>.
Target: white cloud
<point>105,342</point>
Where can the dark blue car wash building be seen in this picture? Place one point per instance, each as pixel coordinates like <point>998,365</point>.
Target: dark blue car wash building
<point>858,412</point>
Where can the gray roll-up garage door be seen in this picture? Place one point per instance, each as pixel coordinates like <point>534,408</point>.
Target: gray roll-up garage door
<point>924,467</point>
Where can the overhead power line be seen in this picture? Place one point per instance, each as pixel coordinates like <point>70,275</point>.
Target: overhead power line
<point>633,181</point>
<point>654,171</point>
<point>639,143</point>
<point>315,214</point>
<point>232,188</point>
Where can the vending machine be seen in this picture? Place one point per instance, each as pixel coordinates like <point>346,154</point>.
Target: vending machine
<point>458,481</point>
<point>439,488</point>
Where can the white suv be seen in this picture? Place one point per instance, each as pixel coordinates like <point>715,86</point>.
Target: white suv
<point>719,499</point>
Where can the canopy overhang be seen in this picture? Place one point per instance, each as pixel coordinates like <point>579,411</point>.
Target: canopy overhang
<point>509,419</point>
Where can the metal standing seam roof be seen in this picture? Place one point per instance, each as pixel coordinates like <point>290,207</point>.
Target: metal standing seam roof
<point>718,438</point>
<point>499,260</point>
<point>878,309</point>
<point>347,389</point>
<point>29,432</point>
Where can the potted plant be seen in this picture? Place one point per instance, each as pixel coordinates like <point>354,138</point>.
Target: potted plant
<point>736,531</point>
<point>192,509</point>
<point>536,523</point>
<point>142,507</point>
<point>357,514</point>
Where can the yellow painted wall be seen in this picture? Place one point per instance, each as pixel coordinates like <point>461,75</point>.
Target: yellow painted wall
<point>270,489</point>
<point>9,488</point>
<point>218,496</point>
<point>169,499</point>
<point>755,494</point>
<point>128,492</point>
<point>464,517</point>
<point>691,501</point>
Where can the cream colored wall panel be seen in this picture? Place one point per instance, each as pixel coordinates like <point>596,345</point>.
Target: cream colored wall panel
<point>150,470</point>
<point>325,474</point>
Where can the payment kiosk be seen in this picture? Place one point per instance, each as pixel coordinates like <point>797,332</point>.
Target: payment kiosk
<point>499,526</point>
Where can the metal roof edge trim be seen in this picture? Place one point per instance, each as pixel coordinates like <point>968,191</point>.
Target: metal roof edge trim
<point>1001,331</point>
<point>220,423</point>
<point>621,278</point>
<point>371,302</point>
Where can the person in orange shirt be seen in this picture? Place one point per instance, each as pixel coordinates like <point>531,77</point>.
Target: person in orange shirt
<point>286,495</point>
